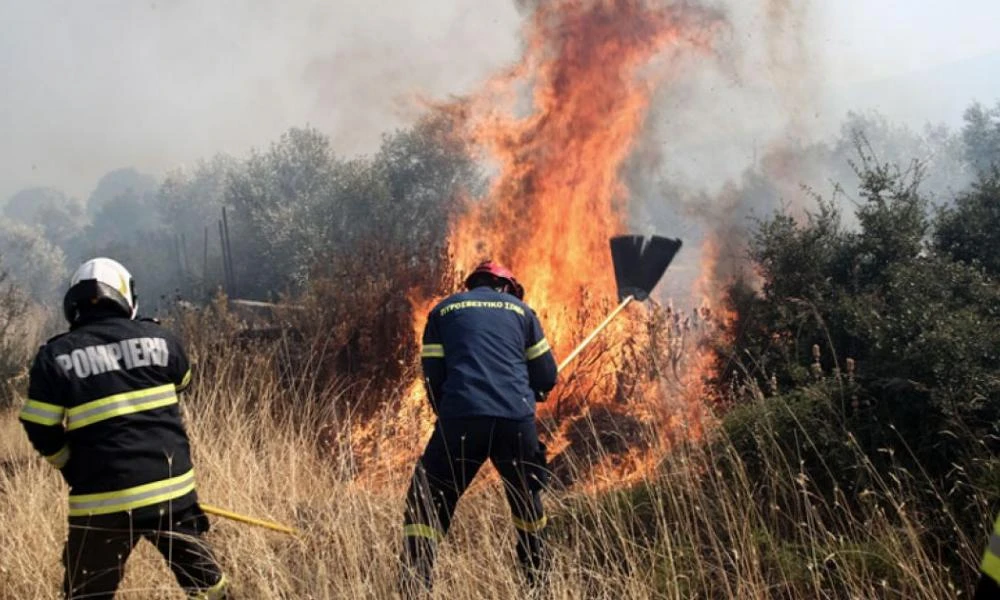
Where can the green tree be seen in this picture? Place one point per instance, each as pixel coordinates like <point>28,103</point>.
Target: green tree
<point>117,183</point>
<point>969,231</point>
<point>34,264</point>
<point>188,201</point>
<point>189,205</point>
<point>940,152</point>
<point>920,331</point>
<point>300,210</point>
<point>61,218</point>
<point>14,351</point>
<point>127,217</point>
<point>981,135</point>
<point>281,203</point>
<point>416,183</point>
<point>892,217</point>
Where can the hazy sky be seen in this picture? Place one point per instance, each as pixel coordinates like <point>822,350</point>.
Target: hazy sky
<point>871,39</point>
<point>86,87</point>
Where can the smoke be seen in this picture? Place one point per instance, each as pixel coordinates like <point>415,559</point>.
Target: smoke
<point>725,139</point>
<point>751,129</point>
<point>90,87</point>
<point>748,130</point>
<point>792,65</point>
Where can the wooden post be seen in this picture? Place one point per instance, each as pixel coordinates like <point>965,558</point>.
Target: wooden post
<point>229,251</point>
<point>204,266</point>
<point>177,255</point>
<point>226,286</point>
<point>184,254</point>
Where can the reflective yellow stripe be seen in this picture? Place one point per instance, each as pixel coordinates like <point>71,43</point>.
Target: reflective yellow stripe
<point>991,558</point>
<point>991,566</point>
<point>58,460</point>
<point>216,592</point>
<point>43,413</point>
<point>432,351</point>
<point>531,526</point>
<point>131,498</point>
<point>537,350</point>
<point>418,530</point>
<point>186,381</point>
<point>120,404</point>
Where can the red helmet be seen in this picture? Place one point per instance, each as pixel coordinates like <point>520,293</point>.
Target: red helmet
<point>490,270</point>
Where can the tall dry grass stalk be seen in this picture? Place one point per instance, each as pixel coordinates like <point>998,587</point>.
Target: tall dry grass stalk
<point>698,527</point>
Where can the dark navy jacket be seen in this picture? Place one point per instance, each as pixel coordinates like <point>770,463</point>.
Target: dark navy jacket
<point>484,355</point>
<point>103,407</point>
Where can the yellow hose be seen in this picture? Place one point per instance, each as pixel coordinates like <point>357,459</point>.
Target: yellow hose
<point>221,512</point>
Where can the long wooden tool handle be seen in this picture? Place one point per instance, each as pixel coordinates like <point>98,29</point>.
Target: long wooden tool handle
<point>593,334</point>
<point>221,512</point>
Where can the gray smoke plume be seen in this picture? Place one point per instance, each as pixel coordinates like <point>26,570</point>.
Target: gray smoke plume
<point>748,130</point>
<point>91,87</point>
<point>724,139</point>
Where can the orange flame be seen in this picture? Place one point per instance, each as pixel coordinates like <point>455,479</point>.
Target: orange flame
<point>558,127</point>
<point>558,195</point>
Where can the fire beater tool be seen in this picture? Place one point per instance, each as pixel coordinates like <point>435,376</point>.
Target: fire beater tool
<point>221,512</point>
<point>639,264</point>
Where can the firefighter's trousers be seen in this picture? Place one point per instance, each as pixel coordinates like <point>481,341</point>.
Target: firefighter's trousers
<point>98,546</point>
<point>456,450</point>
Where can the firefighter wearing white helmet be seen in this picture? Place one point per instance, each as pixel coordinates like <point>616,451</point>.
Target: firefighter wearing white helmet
<point>103,409</point>
<point>100,280</point>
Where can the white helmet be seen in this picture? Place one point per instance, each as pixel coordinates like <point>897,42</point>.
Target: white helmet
<point>100,281</point>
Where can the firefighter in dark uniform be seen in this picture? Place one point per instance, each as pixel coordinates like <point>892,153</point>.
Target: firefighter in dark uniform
<point>102,408</point>
<point>485,362</point>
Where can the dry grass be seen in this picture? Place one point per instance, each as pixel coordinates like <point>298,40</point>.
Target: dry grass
<point>698,528</point>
